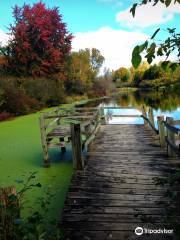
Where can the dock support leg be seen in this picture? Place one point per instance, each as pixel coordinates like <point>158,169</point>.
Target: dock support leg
<point>63,149</point>
<point>61,139</point>
<point>102,116</point>
<point>78,161</point>
<point>44,142</point>
<point>144,114</point>
<point>171,137</point>
<point>161,131</point>
<point>151,116</point>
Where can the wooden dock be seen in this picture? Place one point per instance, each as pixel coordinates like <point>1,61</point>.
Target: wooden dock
<point>117,190</point>
<point>117,169</point>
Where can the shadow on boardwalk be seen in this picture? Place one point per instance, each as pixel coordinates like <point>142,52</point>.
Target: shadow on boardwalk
<point>117,190</point>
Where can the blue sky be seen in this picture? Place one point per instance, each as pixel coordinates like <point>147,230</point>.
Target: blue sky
<point>104,24</point>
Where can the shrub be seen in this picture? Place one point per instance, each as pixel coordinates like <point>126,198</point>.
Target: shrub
<point>17,102</point>
<point>4,116</point>
<point>49,91</point>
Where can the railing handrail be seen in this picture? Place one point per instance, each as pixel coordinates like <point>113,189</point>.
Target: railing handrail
<point>89,119</point>
<point>174,147</point>
<point>171,128</point>
<point>167,138</point>
<point>152,126</point>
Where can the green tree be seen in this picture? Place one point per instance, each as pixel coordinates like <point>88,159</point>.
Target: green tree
<point>141,69</point>
<point>153,72</point>
<point>151,48</point>
<point>83,69</point>
<point>121,75</point>
<point>96,59</point>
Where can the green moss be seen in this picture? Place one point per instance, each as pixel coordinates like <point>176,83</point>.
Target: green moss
<point>21,153</point>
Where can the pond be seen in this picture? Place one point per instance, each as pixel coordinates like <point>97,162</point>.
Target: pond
<point>166,103</point>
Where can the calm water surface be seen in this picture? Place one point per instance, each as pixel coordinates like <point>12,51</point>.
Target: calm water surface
<point>166,103</point>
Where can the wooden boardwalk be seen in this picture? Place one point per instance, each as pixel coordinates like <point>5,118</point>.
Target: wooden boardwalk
<point>117,190</point>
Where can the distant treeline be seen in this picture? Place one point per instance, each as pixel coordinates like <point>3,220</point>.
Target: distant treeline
<point>146,76</point>
<point>38,67</point>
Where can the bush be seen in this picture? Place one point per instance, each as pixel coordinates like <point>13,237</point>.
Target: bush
<point>5,116</point>
<point>17,102</point>
<point>49,91</point>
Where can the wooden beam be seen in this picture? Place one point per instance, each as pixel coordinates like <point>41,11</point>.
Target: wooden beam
<point>172,128</point>
<point>78,161</point>
<point>144,114</point>
<point>126,116</point>
<point>176,122</point>
<point>170,137</point>
<point>161,131</point>
<point>44,142</point>
<point>151,116</point>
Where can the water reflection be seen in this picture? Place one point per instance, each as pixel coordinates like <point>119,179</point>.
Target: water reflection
<point>165,102</point>
<point>111,119</point>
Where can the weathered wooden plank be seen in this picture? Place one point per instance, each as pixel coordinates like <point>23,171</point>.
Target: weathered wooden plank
<point>117,190</point>
<point>85,225</point>
<point>78,160</point>
<point>113,235</point>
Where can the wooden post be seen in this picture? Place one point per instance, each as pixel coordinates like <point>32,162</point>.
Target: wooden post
<point>58,121</point>
<point>171,137</point>
<point>61,139</point>
<point>44,142</point>
<point>151,116</point>
<point>78,161</point>
<point>102,115</point>
<point>161,131</point>
<point>144,114</point>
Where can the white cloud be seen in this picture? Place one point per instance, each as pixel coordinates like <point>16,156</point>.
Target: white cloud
<point>115,45</point>
<point>4,37</point>
<point>147,15</point>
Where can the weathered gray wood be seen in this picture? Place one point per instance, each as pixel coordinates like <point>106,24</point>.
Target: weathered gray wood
<point>176,122</point>
<point>151,116</point>
<point>174,148</point>
<point>144,113</point>
<point>161,131</point>
<point>118,186</point>
<point>92,136</point>
<point>171,127</point>
<point>44,142</point>
<point>125,115</point>
<point>78,160</point>
<point>102,115</point>
<point>170,136</point>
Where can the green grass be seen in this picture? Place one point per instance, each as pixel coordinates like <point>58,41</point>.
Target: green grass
<point>21,153</point>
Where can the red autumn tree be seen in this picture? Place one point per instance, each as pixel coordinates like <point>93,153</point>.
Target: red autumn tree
<point>40,41</point>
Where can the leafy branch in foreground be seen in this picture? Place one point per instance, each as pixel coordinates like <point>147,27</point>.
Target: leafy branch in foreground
<point>151,48</point>
<point>36,225</point>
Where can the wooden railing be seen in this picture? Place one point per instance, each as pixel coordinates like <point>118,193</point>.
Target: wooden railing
<point>149,119</point>
<point>65,125</point>
<point>169,135</point>
<point>80,126</point>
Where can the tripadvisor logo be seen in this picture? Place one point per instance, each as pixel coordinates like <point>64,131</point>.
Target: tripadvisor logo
<point>139,231</point>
